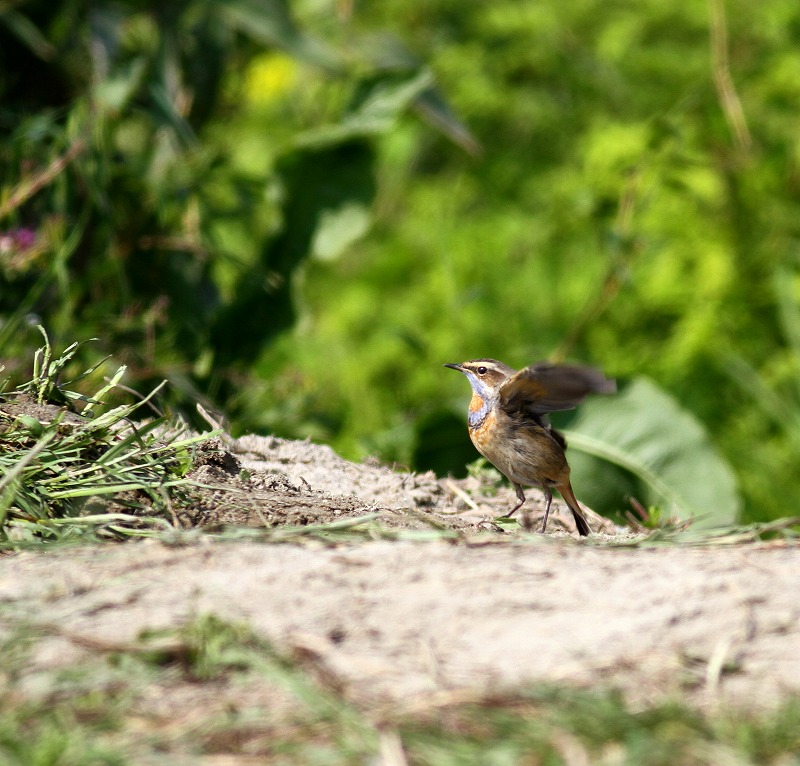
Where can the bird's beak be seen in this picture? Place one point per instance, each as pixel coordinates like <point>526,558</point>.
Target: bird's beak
<point>454,367</point>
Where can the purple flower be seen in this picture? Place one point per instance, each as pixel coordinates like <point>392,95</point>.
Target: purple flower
<point>16,240</point>
<point>25,238</point>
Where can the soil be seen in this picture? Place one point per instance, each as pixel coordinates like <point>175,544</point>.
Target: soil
<point>479,606</point>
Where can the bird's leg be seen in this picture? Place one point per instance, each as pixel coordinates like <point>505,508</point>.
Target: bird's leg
<point>520,497</point>
<point>549,496</point>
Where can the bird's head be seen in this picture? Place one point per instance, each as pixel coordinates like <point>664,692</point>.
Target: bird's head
<point>484,375</point>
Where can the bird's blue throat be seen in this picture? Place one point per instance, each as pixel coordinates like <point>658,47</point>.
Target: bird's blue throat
<point>476,417</point>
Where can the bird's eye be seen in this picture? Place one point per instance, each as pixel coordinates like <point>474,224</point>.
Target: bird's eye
<point>482,371</point>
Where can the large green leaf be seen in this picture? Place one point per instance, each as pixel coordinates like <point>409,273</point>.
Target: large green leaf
<point>645,431</point>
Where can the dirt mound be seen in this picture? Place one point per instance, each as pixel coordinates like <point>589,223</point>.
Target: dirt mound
<point>267,481</point>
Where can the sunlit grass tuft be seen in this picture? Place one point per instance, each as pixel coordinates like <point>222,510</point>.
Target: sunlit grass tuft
<point>66,473</point>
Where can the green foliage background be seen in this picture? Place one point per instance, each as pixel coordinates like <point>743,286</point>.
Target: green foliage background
<point>300,216</point>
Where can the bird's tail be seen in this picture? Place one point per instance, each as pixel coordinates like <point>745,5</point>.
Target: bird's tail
<point>565,488</point>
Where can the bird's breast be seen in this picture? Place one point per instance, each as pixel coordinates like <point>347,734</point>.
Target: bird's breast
<point>525,455</point>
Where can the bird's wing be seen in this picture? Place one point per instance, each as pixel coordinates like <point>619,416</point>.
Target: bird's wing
<point>545,387</point>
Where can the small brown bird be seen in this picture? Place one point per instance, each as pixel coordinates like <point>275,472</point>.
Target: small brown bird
<point>508,423</point>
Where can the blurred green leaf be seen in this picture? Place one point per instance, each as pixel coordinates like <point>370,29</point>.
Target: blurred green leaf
<point>432,107</point>
<point>270,22</point>
<point>646,431</point>
<point>338,228</point>
<point>26,31</point>
<point>320,186</point>
<point>378,104</point>
<point>388,53</point>
<point>116,91</point>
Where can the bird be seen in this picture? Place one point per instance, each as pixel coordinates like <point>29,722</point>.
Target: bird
<point>508,423</point>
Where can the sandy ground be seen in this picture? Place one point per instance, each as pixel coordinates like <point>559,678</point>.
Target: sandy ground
<point>402,621</point>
